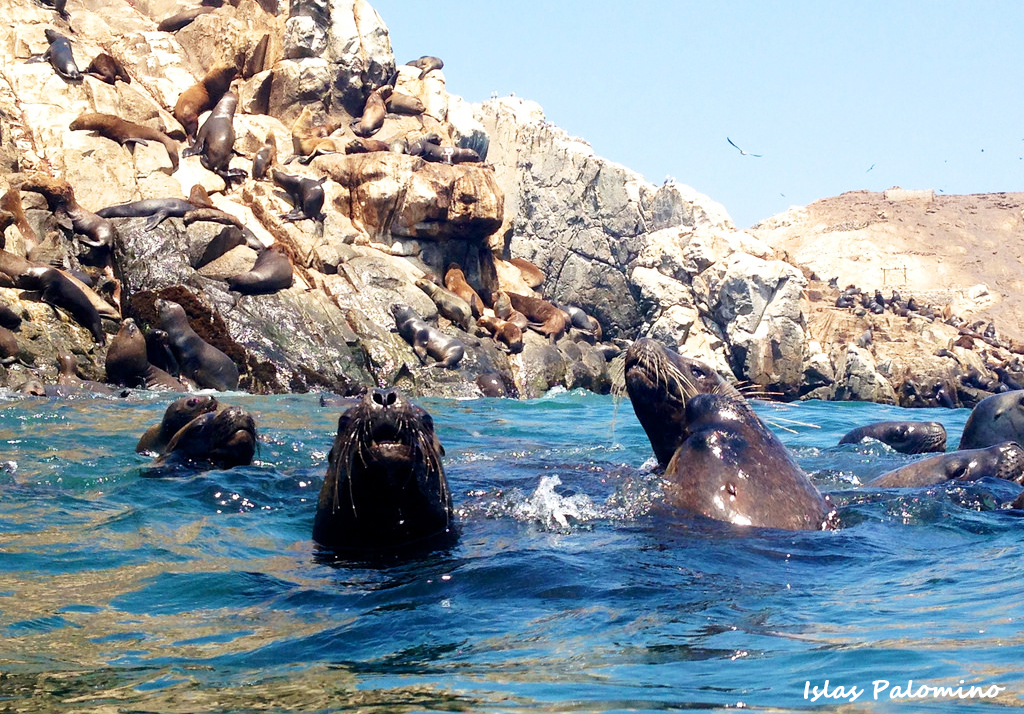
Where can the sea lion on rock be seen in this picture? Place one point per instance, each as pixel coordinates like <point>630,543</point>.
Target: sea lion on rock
<point>448,303</point>
<point>128,365</point>
<point>215,140</point>
<point>385,487</point>
<point>307,195</point>
<point>366,146</point>
<point>425,64</point>
<point>59,291</point>
<point>107,69</point>
<point>272,272</point>
<point>532,275</point>
<point>265,157</point>
<point>505,333</point>
<point>1004,460</point>
<point>307,136</point>
<point>60,198</point>
<point>426,339</point>
<point>544,317</point>
<point>125,132</point>
<point>906,437</point>
<point>374,113</point>
<point>224,438</point>
<point>993,420</point>
<point>178,413</point>
<point>60,56</point>
<point>203,96</point>
<point>199,360</point>
<point>455,280</point>
<point>401,103</point>
<point>183,19</point>
<point>447,154</point>
<point>196,207</point>
<point>11,202</point>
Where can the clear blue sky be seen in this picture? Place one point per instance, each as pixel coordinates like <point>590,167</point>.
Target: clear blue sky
<point>931,94</point>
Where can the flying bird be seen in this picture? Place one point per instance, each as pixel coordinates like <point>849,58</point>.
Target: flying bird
<point>870,167</point>
<point>742,152</point>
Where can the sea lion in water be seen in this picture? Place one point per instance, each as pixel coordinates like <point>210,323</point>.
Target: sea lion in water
<point>426,339</point>
<point>107,69</point>
<point>425,64</point>
<point>906,437</point>
<point>215,140</point>
<point>59,291</point>
<point>272,272</point>
<point>224,438</point>
<point>995,419</point>
<point>544,317</point>
<point>307,195</point>
<point>374,113</point>
<point>199,360</point>
<point>125,132</point>
<point>265,157</point>
<point>448,303</point>
<point>455,280</point>
<point>385,486</point>
<point>60,56</point>
<point>203,96</point>
<point>1004,460</point>
<point>178,413</point>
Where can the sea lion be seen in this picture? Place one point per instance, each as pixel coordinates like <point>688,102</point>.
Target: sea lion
<point>203,96</point>
<point>183,19</point>
<point>178,413</point>
<point>307,136</point>
<point>196,207</point>
<point>60,198</point>
<point>531,274</point>
<point>366,146</point>
<point>906,437</point>
<point>426,339</point>
<point>455,280</point>
<point>446,154</point>
<point>11,202</point>
<point>128,365</point>
<point>1004,460</point>
<point>401,103</point>
<point>732,468</point>
<point>9,349</point>
<point>59,291</point>
<point>581,320</point>
<point>544,317</point>
<point>272,272</point>
<point>504,332</point>
<point>8,317</point>
<point>448,303</point>
<point>199,360</point>
<point>491,385</point>
<point>425,64</point>
<point>107,69</point>
<point>659,382</point>
<point>215,140</point>
<point>385,486</point>
<point>67,376</point>
<point>125,132</point>
<point>374,113</point>
<point>307,195</point>
<point>993,420</point>
<point>60,56</point>
<point>225,438</point>
<point>265,157</point>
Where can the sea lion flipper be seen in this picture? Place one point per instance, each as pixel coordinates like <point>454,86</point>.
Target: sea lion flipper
<point>155,220</point>
<point>135,140</point>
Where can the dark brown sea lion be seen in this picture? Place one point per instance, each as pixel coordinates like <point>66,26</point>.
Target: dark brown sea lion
<point>446,154</point>
<point>60,56</point>
<point>366,146</point>
<point>1004,460</point>
<point>8,317</point>
<point>265,157</point>
<point>307,195</point>
<point>426,339</point>
<point>182,19</point>
<point>9,349</point>
<point>532,275</point>
<point>155,210</point>
<point>67,376</point>
<point>455,280</point>
<point>203,96</point>
<point>225,438</point>
<point>374,113</point>
<point>178,413</point>
<point>107,69</point>
<point>425,64</point>
<point>505,333</point>
<point>907,437</point>
<point>581,320</point>
<point>385,487</point>
<point>59,291</point>
<point>272,272</point>
<point>448,303</point>
<point>401,103</point>
<point>659,381</point>
<point>128,365</point>
<point>995,419</point>
<point>11,202</point>
<point>215,140</point>
<point>199,360</point>
<point>544,317</point>
<point>125,132</point>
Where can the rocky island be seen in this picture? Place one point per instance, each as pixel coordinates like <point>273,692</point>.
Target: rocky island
<point>280,176</point>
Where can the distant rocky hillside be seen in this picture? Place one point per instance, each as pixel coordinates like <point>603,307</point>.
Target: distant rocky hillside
<point>643,260</point>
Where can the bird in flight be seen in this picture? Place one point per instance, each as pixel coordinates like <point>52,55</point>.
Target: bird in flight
<point>742,152</point>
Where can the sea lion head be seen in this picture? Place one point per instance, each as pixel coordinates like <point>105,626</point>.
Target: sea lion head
<point>385,485</point>
<point>224,438</point>
<point>181,411</point>
<point>660,382</point>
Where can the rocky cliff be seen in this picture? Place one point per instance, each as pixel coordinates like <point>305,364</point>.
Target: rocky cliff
<point>415,180</point>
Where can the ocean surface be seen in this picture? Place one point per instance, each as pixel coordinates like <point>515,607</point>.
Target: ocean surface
<point>568,591</point>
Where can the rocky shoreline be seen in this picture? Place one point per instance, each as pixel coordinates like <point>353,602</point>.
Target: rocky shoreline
<point>643,260</point>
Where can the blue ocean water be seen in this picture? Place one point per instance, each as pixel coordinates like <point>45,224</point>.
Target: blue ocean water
<point>568,590</point>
